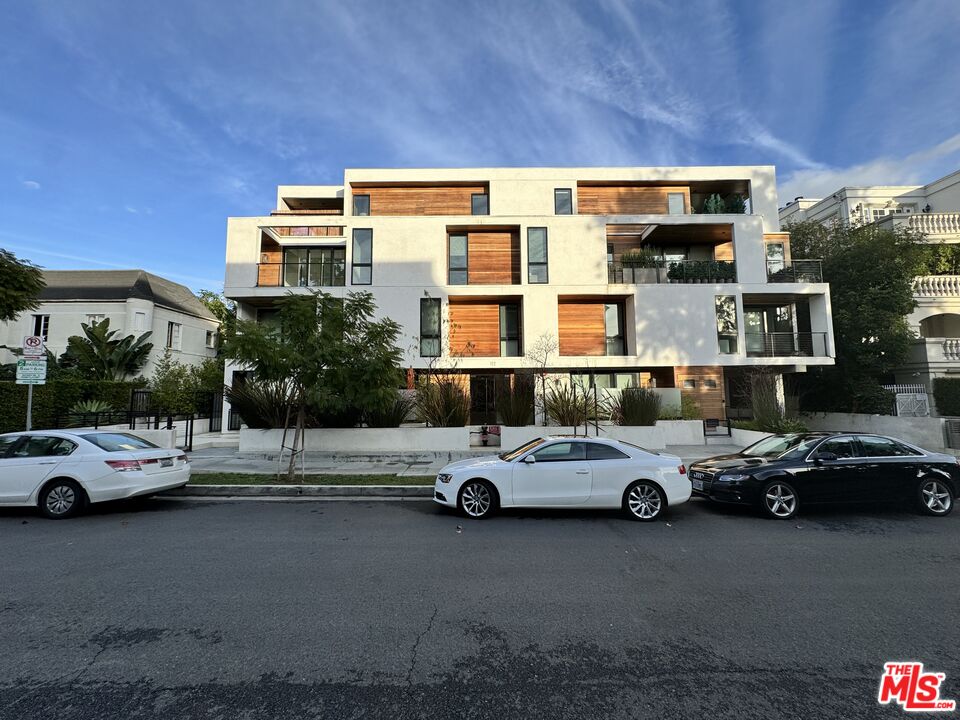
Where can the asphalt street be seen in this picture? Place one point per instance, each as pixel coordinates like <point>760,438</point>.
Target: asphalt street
<point>175,608</point>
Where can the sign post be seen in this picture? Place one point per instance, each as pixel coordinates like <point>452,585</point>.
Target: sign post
<point>32,370</point>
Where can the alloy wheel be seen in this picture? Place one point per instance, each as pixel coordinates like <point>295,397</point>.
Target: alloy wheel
<point>781,500</point>
<point>644,501</point>
<point>936,496</point>
<point>60,499</point>
<point>476,499</point>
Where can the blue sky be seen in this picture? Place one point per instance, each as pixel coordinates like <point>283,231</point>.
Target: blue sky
<point>130,131</point>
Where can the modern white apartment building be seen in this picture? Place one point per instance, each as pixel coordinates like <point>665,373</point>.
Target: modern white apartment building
<point>135,302</point>
<point>933,210</point>
<point>478,264</point>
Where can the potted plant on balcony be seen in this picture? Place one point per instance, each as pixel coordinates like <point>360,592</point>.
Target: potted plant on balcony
<point>736,204</point>
<point>640,265</point>
<point>714,205</point>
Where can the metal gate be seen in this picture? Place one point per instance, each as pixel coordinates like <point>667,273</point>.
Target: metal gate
<point>913,405</point>
<point>953,432</point>
<point>216,412</point>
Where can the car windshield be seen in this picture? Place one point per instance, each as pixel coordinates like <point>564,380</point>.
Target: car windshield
<point>118,442</point>
<point>517,452</point>
<point>783,447</point>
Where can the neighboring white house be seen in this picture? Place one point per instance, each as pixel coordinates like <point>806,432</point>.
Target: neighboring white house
<point>497,258</point>
<point>135,301</point>
<point>934,210</point>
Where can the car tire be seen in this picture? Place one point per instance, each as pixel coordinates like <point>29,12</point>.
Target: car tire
<point>61,499</point>
<point>477,499</point>
<point>644,501</point>
<point>934,497</point>
<point>779,500</point>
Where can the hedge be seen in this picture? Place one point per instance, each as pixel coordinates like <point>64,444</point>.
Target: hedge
<point>53,400</point>
<point>946,394</point>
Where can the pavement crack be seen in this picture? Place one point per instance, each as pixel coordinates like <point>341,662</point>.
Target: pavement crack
<point>416,645</point>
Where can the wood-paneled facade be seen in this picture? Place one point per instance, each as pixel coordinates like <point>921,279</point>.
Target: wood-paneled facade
<point>708,392</point>
<point>582,328</point>
<point>474,327</point>
<point>493,256</point>
<point>420,199</point>
<point>627,199</point>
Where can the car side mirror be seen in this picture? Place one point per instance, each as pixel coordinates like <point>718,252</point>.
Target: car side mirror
<point>530,460</point>
<point>825,456</point>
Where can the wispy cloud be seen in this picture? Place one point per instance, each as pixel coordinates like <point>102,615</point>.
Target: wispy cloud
<point>31,184</point>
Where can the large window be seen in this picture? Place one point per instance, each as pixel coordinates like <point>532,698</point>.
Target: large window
<point>314,267</point>
<point>429,327</point>
<point>727,324</point>
<point>480,204</point>
<point>457,260</point>
<point>613,320</point>
<point>675,203</point>
<point>776,257</point>
<point>537,255</point>
<point>509,331</point>
<point>362,256</point>
<point>561,452</point>
<point>361,205</point>
<point>563,201</point>
<point>41,326</point>
<point>174,335</point>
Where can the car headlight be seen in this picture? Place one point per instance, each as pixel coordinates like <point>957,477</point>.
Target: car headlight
<point>444,477</point>
<point>733,478</point>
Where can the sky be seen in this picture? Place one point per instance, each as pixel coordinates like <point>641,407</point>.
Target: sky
<point>130,131</point>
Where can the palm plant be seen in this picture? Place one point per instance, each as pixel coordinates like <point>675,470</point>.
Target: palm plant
<point>262,404</point>
<point>566,405</point>
<point>636,406</point>
<point>443,404</point>
<point>515,405</point>
<point>102,354</point>
<point>393,414</point>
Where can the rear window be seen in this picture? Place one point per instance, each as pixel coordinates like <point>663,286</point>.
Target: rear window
<point>118,442</point>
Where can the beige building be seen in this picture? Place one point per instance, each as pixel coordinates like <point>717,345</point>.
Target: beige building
<point>621,267</point>
<point>933,210</point>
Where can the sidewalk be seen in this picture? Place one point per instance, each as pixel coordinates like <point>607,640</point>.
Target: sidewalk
<point>209,460</point>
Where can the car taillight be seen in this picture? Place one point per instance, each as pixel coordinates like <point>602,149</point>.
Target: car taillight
<point>682,469</point>
<point>181,457</point>
<point>123,465</point>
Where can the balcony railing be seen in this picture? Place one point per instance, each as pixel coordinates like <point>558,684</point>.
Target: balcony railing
<point>798,271</point>
<point>786,344</point>
<point>951,349</point>
<point>302,274</point>
<point>310,231</point>
<point>936,286</point>
<point>933,225</point>
<point>673,271</point>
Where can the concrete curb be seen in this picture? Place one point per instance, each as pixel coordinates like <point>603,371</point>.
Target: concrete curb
<point>303,491</point>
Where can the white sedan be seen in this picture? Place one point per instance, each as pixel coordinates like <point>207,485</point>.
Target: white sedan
<point>60,471</point>
<point>565,472</point>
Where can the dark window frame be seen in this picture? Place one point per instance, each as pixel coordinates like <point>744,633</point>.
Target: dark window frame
<point>41,322</point>
<point>431,335</point>
<point>361,195</point>
<point>556,204</point>
<point>466,259</point>
<point>354,265</point>
<point>621,329</point>
<point>545,264</point>
<point>506,338</point>
<point>328,258</point>
<point>486,201</point>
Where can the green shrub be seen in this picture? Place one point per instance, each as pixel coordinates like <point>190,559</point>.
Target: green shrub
<point>645,257</point>
<point>442,404</point>
<point>393,414</point>
<point>714,205</point>
<point>566,405</point>
<point>515,404</point>
<point>261,405</point>
<point>946,394</point>
<point>636,406</point>
<point>736,204</point>
<point>53,402</point>
<point>689,409</point>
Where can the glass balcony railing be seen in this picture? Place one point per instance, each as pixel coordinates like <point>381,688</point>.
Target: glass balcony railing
<point>786,344</point>
<point>673,271</point>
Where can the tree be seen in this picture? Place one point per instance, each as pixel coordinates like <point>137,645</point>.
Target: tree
<point>539,354</point>
<point>173,386</point>
<point>870,271</point>
<point>20,285</point>
<point>224,310</point>
<point>101,355</point>
<point>336,358</point>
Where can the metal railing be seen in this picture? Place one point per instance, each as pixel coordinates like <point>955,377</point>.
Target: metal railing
<point>302,274</point>
<point>786,344</point>
<point>805,271</point>
<point>672,271</point>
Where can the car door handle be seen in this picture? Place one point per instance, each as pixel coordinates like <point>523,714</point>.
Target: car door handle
<point>47,462</point>
<point>583,472</point>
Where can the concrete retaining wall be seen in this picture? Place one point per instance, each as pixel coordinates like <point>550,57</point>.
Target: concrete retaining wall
<point>743,438</point>
<point>929,433</point>
<point>360,439</point>
<point>163,438</point>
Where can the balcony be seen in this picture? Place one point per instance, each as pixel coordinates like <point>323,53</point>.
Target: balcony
<point>798,271</point>
<point>672,271</point>
<point>293,232</point>
<point>936,226</point>
<point>319,274</point>
<point>936,286</point>
<point>786,344</point>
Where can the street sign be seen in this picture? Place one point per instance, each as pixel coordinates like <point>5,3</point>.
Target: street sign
<point>31,372</point>
<point>33,346</point>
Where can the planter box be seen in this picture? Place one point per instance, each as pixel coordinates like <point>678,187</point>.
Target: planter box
<point>347,440</point>
<point>647,436</point>
<point>682,432</point>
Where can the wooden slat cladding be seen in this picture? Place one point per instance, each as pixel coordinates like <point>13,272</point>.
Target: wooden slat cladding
<point>582,328</point>
<point>268,274</point>
<point>474,328</point>
<point>723,251</point>
<point>493,257</point>
<point>709,400</point>
<point>420,200</point>
<point>627,199</point>
<point>308,231</point>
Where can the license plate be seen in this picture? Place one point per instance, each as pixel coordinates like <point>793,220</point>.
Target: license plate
<point>697,484</point>
<point>166,462</point>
